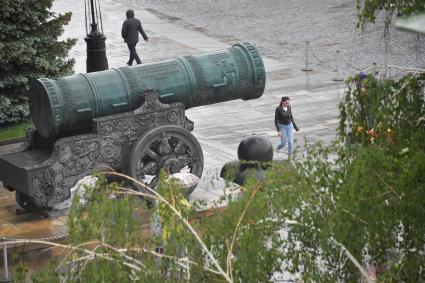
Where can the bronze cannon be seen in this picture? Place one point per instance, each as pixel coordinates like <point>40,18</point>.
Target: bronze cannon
<point>131,119</point>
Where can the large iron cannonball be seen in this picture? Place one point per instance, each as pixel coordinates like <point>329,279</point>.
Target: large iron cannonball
<point>238,173</point>
<point>255,148</point>
<point>232,170</point>
<point>258,174</point>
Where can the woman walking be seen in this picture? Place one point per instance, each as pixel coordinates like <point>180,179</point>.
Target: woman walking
<point>285,125</point>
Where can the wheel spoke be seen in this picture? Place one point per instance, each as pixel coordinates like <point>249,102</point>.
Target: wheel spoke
<point>186,160</point>
<point>152,154</point>
<point>151,168</point>
<point>180,147</point>
<point>164,146</point>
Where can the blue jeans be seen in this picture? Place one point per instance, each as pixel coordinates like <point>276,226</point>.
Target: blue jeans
<point>287,135</point>
<point>133,54</point>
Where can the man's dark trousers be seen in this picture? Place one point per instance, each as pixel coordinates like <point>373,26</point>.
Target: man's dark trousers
<point>133,54</point>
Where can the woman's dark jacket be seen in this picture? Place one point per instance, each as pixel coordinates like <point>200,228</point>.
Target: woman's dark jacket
<point>283,117</point>
<point>131,28</point>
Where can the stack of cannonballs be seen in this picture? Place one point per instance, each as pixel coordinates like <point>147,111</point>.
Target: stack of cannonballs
<point>255,154</point>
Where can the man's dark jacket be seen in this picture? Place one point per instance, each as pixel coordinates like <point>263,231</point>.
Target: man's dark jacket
<point>131,28</point>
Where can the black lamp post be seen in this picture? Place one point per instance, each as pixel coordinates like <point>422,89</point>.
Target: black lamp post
<point>96,48</point>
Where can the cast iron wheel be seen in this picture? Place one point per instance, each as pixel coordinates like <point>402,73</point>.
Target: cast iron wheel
<point>170,147</point>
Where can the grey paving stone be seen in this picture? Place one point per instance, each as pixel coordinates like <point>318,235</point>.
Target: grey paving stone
<point>281,28</point>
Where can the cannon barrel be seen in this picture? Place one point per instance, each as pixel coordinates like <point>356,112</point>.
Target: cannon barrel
<point>69,103</point>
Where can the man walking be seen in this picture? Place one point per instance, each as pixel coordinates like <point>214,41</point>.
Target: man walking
<point>130,32</point>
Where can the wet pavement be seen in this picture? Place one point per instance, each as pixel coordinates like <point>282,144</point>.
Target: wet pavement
<point>281,28</point>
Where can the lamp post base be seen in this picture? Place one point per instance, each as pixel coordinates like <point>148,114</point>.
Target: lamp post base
<point>96,53</point>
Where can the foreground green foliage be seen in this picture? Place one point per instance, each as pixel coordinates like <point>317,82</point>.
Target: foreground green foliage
<point>29,49</point>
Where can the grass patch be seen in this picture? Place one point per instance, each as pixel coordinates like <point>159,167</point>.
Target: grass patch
<point>14,131</point>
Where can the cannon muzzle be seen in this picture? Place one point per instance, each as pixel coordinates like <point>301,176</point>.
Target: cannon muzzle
<point>69,103</point>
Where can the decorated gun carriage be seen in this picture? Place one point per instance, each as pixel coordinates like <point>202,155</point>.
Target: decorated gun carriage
<point>130,119</point>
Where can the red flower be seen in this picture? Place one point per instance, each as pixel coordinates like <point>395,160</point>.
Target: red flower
<point>371,132</point>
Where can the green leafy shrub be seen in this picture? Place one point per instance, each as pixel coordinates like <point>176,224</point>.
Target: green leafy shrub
<point>367,201</point>
<point>384,111</point>
<point>369,9</point>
